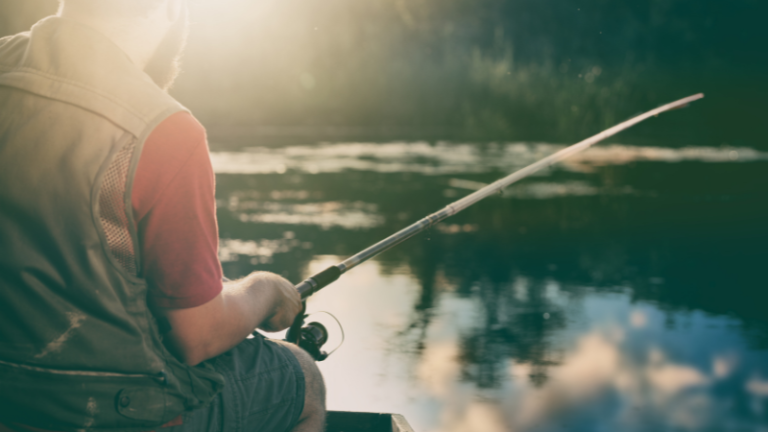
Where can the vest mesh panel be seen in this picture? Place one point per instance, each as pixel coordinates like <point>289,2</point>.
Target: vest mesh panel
<point>112,211</point>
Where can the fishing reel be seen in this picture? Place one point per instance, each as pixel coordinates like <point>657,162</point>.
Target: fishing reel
<point>311,336</point>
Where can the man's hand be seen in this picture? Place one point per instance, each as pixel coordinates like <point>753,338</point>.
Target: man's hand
<point>286,305</point>
<point>263,300</point>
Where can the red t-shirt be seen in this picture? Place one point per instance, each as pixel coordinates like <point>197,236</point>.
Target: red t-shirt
<point>175,209</point>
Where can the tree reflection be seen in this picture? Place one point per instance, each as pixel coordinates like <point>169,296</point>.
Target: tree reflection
<point>519,321</point>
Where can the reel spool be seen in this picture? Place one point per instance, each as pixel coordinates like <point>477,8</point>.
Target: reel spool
<point>312,336</point>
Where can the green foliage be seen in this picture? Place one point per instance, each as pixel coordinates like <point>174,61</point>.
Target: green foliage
<point>458,69</point>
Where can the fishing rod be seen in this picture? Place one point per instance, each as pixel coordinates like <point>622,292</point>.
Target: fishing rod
<point>312,337</point>
<point>320,280</point>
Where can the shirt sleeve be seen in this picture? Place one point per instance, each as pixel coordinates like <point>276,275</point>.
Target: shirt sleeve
<point>174,204</point>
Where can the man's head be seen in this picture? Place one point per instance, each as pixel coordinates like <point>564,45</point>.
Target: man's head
<point>152,32</point>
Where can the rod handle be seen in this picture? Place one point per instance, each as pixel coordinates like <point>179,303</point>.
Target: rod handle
<point>318,281</point>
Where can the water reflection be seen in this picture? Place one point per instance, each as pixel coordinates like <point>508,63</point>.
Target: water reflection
<point>354,215</point>
<point>616,366</point>
<point>619,291</point>
<point>446,158</point>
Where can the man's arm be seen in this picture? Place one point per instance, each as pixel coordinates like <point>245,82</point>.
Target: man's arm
<point>174,204</point>
<point>263,300</point>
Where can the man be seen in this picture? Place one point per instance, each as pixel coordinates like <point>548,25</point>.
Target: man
<point>108,227</point>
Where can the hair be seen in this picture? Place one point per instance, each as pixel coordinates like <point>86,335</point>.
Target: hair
<point>123,8</point>
<point>164,65</point>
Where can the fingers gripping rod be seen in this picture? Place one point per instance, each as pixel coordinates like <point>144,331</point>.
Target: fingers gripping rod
<point>329,275</point>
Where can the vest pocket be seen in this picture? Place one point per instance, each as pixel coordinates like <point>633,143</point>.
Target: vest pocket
<point>147,404</point>
<point>70,400</point>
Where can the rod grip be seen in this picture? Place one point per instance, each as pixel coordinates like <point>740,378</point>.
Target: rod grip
<point>318,281</point>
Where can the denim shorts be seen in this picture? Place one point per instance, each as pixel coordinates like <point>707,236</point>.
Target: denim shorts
<point>263,391</point>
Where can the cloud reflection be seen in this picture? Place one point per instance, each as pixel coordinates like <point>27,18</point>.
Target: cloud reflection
<point>758,387</point>
<point>595,372</point>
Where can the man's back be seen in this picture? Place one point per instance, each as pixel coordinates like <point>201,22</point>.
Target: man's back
<point>75,324</point>
<point>79,347</point>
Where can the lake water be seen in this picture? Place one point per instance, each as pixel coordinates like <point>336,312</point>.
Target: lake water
<point>621,290</point>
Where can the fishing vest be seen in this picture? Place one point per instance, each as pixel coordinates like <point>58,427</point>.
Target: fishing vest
<point>79,348</point>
